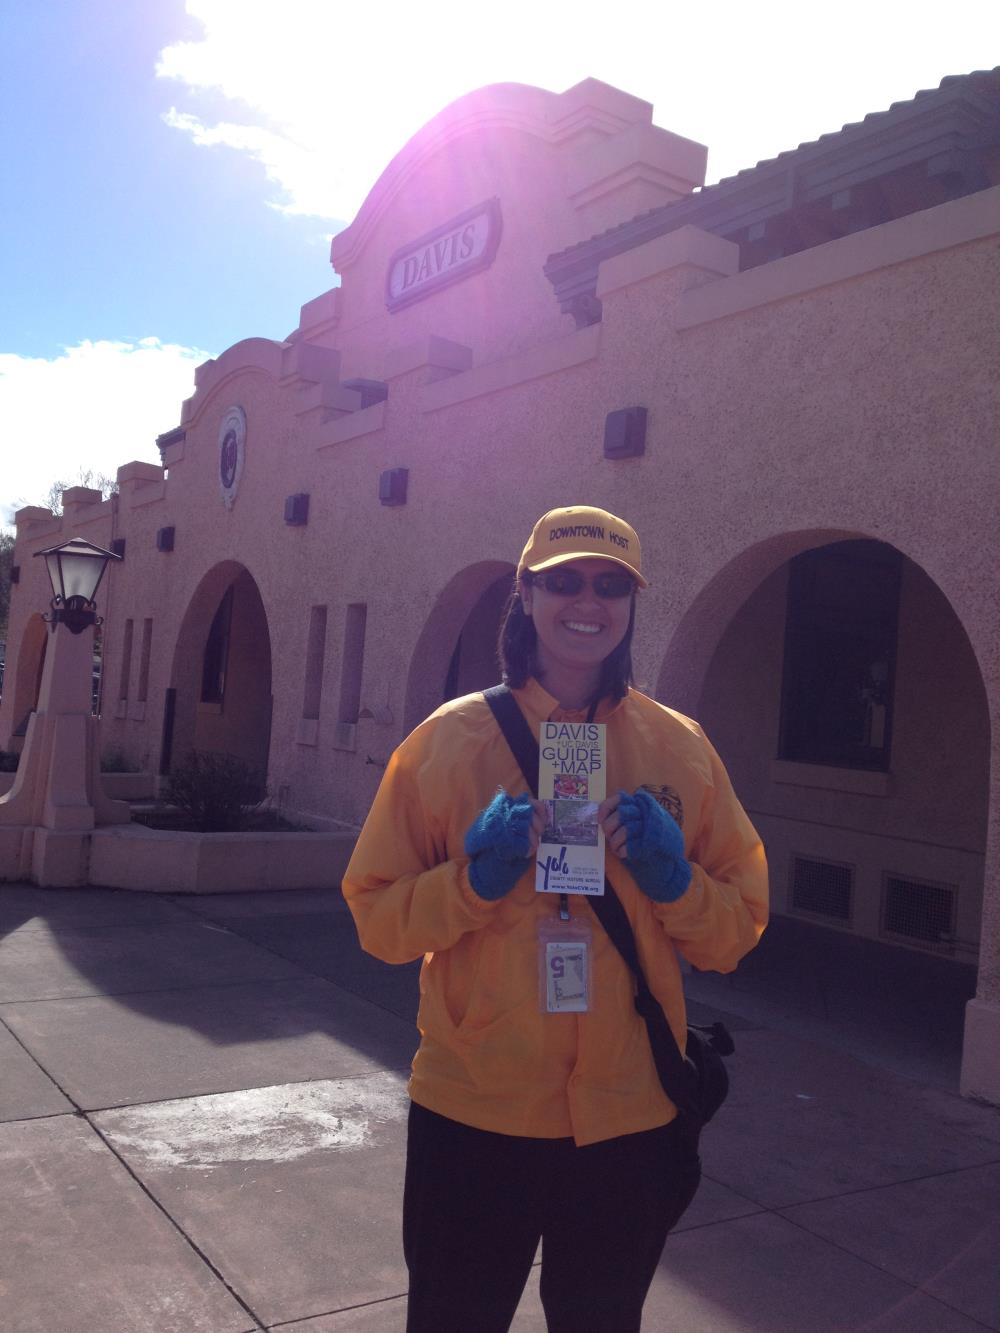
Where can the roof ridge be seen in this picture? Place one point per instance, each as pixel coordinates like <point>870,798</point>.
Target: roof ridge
<point>976,79</point>
<point>950,81</point>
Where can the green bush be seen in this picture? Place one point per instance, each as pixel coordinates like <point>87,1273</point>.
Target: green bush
<point>217,792</point>
<point>8,761</point>
<point>115,760</point>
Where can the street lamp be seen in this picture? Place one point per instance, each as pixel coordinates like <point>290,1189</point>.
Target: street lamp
<point>48,817</point>
<point>75,571</point>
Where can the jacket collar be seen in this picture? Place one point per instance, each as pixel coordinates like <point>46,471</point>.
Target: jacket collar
<point>539,706</point>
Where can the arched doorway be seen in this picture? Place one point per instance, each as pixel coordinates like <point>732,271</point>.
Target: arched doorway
<point>473,665</point>
<point>27,679</point>
<point>220,694</point>
<point>456,650</point>
<point>844,694</point>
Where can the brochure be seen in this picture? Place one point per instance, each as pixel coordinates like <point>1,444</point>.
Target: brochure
<point>571,785</point>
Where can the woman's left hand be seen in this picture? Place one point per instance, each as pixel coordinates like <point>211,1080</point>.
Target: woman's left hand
<point>649,841</point>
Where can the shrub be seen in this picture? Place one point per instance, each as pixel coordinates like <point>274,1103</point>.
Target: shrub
<point>217,792</point>
<point>115,760</point>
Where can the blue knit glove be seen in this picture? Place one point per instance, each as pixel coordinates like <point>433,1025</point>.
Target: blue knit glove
<point>498,843</point>
<point>654,847</point>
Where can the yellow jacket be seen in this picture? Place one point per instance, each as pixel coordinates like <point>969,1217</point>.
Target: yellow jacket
<point>488,1056</point>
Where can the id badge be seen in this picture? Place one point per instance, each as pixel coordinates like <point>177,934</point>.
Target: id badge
<point>564,966</point>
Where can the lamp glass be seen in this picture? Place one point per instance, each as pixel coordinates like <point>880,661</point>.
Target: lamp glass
<point>75,569</point>
<point>80,574</point>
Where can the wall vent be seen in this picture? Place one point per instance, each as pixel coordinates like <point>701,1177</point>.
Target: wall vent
<point>392,486</point>
<point>919,910</point>
<point>822,888</point>
<point>297,510</point>
<point>625,433</point>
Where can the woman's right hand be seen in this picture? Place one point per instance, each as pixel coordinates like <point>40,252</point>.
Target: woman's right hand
<point>501,842</point>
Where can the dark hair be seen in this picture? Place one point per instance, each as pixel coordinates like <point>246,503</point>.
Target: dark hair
<point>518,641</point>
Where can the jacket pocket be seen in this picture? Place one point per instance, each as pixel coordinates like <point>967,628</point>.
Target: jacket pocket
<point>506,1052</point>
<point>503,979</point>
<point>468,988</point>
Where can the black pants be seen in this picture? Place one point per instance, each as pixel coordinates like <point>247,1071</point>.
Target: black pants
<point>476,1205</point>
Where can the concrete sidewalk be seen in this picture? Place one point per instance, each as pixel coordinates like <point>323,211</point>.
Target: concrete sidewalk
<point>202,1119</point>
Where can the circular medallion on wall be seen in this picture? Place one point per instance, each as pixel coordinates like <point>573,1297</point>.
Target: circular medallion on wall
<point>232,447</point>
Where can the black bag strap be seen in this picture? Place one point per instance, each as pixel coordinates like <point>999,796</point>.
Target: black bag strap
<point>518,735</point>
<point>677,1076</point>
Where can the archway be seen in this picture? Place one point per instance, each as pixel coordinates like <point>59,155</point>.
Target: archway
<point>697,635</point>
<point>27,678</point>
<point>456,651</point>
<point>220,691</point>
<point>876,834</point>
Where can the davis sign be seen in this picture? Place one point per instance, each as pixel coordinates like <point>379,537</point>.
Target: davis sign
<point>462,246</point>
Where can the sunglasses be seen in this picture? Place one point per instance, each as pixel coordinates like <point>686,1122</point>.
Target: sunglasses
<point>609,586</point>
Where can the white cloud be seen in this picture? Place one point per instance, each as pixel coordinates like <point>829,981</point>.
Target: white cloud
<point>323,94</point>
<point>96,406</point>
<point>292,167</point>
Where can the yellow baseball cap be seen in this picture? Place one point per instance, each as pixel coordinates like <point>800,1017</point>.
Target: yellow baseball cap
<point>579,532</point>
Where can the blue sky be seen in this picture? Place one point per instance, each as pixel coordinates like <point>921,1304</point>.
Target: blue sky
<point>121,227</point>
<point>174,169</point>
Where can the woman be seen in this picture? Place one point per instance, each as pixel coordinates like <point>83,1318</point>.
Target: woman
<point>527,1125</point>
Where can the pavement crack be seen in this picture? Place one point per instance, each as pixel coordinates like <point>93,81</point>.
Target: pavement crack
<point>193,1245</point>
<point>782,1208</point>
<point>883,1269</point>
<point>77,1109</point>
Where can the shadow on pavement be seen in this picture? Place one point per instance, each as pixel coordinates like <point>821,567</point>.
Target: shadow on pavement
<point>137,969</point>
<point>900,1008</point>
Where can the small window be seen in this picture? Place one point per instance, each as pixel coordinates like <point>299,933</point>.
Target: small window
<point>354,656</point>
<point>840,655</point>
<point>126,672</point>
<point>147,643</point>
<point>315,656</point>
<point>97,673</point>
<point>216,659</point>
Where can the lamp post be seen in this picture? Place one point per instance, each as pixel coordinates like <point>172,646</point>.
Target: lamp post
<point>75,571</point>
<point>57,799</point>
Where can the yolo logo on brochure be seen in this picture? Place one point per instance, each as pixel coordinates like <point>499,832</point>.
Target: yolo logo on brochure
<point>554,864</point>
<point>571,785</point>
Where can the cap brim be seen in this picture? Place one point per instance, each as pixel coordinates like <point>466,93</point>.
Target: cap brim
<point>568,558</point>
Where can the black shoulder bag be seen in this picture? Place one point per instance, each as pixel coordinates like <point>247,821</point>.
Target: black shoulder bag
<point>697,1082</point>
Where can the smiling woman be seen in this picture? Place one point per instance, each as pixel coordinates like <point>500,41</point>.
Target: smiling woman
<point>571,623</point>
<point>576,632</point>
<point>517,1101</point>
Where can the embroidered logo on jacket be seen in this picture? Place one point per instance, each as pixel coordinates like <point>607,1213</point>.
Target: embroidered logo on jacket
<point>668,798</point>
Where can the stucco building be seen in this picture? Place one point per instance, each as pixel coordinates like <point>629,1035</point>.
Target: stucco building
<point>787,382</point>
